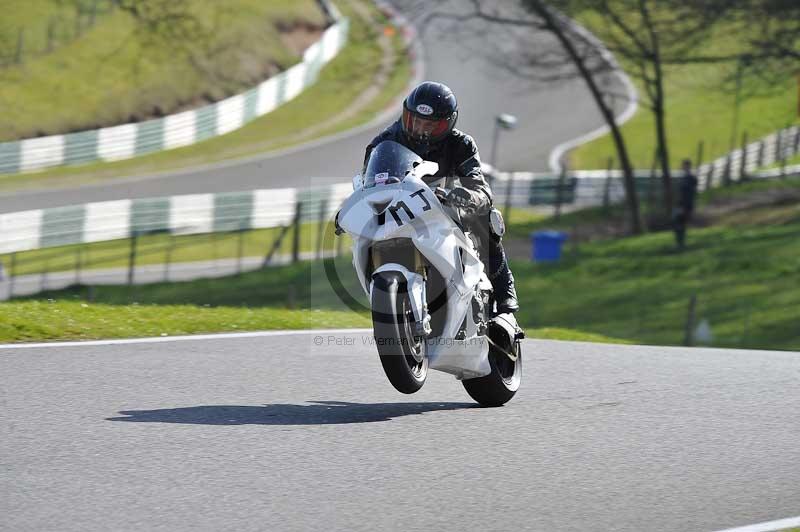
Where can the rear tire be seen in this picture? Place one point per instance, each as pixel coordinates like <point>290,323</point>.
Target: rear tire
<point>402,354</point>
<point>498,387</point>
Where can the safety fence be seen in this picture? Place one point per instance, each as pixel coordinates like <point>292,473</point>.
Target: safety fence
<point>182,129</point>
<point>269,208</point>
<point>161,239</point>
<point>594,188</point>
<point>179,215</point>
<point>773,149</point>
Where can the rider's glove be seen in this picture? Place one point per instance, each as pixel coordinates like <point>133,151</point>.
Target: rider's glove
<point>337,228</point>
<point>464,199</point>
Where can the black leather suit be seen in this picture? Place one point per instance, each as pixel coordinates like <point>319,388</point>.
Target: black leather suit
<point>457,157</point>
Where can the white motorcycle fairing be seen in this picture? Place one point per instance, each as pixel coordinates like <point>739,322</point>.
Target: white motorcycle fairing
<point>412,211</point>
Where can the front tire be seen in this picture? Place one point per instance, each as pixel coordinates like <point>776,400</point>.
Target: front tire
<point>498,387</point>
<point>403,355</point>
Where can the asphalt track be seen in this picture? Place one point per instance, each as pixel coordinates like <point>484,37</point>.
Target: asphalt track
<point>548,115</point>
<point>278,433</point>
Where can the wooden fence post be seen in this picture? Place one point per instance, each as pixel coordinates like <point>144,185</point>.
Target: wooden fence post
<point>559,185</point>
<point>132,257</point>
<point>743,165</point>
<point>12,274</point>
<point>78,264</point>
<point>726,176</point>
<point>296,241</point>
<point>688,338</point>
<point>323,210</point>
<point>239,250</point>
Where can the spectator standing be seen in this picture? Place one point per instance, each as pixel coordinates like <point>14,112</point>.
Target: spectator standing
<point>683,212</point>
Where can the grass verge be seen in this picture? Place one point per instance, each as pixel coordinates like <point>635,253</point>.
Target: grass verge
<point>72,320</point>
<point>340,86</point>
<point>291,297</point>
<point>741,272</point>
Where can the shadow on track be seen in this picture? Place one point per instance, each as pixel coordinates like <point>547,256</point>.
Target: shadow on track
<point>315,413</point>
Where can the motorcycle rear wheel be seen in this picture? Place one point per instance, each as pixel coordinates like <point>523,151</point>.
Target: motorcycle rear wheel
<point>402,354</point>
<point>498,387</point>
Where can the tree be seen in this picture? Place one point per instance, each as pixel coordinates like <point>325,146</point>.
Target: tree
<point>647,35</point>
<point>573,53</point>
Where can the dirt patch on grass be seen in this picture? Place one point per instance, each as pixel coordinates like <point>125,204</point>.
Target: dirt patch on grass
<point>300,37</point>
<point>719,208</point>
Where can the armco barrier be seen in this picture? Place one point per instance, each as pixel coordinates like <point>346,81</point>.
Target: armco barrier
<point>180,215</point>
<point>182,129</point>
<point>256,209</point>
<point>769,150</point>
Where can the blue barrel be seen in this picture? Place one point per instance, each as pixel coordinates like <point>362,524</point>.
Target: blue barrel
<point>547,245</point>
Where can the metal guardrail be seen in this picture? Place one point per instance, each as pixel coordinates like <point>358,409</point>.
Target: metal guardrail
<point>178,215</point>
<point>182,129</point>
<point>257,209</point>
<point>587,188</point>
<point>772,149</point>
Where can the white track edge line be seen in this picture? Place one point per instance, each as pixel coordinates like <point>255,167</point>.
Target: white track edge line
<point>767,526</point>
<point>186,338</point>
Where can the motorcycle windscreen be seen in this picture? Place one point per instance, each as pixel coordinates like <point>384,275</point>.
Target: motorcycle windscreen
<point>389,162</point>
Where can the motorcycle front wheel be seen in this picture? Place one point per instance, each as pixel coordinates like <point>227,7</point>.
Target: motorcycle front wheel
<point>403,355</point>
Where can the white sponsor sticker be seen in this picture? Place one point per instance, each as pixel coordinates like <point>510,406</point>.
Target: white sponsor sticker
<point>381,178</point>
<point>423,109</point>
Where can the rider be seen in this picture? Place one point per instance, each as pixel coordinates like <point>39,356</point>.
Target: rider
<point>427,127</point>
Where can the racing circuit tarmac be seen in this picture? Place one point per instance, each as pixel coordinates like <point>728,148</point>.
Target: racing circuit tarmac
<point>275,432</point>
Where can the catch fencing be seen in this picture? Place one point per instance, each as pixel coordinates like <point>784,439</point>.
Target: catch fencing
<point>182,129</point>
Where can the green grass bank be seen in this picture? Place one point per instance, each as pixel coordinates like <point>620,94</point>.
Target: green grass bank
<point>741,270</point>
<point>365,63</point>
<point>119,68</point>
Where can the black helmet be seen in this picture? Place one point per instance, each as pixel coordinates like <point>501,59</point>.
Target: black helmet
<point>429,114</point>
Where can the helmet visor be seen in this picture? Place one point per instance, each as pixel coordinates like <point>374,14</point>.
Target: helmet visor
<point>420,128</point>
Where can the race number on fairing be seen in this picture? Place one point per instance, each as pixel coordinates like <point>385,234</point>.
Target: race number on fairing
<point>401,205</point>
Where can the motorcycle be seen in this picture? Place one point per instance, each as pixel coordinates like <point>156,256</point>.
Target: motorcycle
<point>432,302</point>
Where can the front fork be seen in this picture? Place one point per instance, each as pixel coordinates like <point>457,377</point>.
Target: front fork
<point>415,285</point>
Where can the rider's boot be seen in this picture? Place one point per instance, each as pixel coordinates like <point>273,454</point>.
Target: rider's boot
<point>502,281</point>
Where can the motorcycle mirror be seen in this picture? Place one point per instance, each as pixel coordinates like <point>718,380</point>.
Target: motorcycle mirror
<point>426,168</point>
<point>358,182</point>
